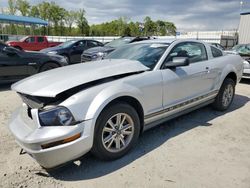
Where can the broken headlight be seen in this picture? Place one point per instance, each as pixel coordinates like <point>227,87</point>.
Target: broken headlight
<point>59,116</point>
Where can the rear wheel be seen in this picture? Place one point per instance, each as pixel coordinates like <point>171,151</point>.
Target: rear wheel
<point>48,66</point>
<point>117,130</point>
<point>225,95</point>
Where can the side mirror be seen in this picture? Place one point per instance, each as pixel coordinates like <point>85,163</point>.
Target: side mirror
<point>177,62</point>
<point>9,51</point>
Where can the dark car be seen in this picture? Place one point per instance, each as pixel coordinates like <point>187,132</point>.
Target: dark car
<point>72,49</point>
<point>98,53</point>
<point>16,64</point>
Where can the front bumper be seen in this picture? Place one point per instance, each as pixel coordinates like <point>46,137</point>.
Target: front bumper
<point>31,137</point>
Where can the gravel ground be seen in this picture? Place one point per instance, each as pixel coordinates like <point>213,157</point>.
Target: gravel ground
<point>202,149</point>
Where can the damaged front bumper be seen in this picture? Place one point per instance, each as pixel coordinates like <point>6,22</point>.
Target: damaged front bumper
<point>50,146</point>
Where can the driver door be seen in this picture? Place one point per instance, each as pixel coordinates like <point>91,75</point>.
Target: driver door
<point>184,83</point>
<point>76,51</point>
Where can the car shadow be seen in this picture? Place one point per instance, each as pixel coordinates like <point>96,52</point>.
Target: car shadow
<point>5,87</point>
<point>88,167</point>
<point>245,81</point>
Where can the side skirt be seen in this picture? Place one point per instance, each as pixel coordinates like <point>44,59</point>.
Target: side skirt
<point>157,122</point>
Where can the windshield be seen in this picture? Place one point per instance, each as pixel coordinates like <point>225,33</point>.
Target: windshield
<point>67,44</point>
<point>148,54</point>
<point>235,48</point>
<point>119,42</point>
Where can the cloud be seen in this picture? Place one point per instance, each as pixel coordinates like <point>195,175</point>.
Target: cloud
<point>187,15</point>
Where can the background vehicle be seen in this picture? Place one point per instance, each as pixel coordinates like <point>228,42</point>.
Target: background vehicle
<point>100,52</point>
<point>105,105</point>
<point>242,49</point>
<point>217,45</point>
<point>32,43</point>
<point>73,49</point>
<point>16,64</point>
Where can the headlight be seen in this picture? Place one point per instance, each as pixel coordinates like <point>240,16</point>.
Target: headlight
<point>59,116</point>
<point>52,52</point>
<point>99,55</point>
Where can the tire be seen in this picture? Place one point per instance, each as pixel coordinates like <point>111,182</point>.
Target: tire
<point>131,124</point>
<point>225,96</point>
<point>48,66</point>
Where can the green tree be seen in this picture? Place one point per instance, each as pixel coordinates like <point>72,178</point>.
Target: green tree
<point>150,27</point>
<point>23,6</point>
<point>70,18</point>
<point>12,7</point>
<point>82,22</point>
<point>34,11</point>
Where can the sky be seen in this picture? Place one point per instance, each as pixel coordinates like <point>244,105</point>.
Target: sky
<point>188,15</point>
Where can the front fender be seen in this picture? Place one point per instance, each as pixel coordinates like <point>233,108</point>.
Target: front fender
<point>89,103</point>
<point>109,94</point>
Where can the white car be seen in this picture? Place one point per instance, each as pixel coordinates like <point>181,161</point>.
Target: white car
<point>104,106</point>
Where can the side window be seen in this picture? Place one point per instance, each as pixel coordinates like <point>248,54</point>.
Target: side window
<point>40,39</point>
<point>80,44</point>
<point>216,52</point>
<point>92,44</point>
<point>194,51</point>
<point>30,39</point>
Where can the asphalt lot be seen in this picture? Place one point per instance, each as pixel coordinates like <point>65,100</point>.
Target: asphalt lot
<point>204,148</point>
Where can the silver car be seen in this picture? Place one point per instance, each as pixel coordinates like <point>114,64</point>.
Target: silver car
<point>104,106</point>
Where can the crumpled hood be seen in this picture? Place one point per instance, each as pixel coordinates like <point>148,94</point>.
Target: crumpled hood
<point>53,82</point>
<point>95,50</point>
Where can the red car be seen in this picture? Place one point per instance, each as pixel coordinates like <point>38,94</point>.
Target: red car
<point>32,43</point>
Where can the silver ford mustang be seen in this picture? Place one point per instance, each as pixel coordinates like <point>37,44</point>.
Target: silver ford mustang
<point>104,106</point>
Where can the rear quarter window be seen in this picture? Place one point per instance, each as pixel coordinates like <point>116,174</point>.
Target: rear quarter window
<point>216,52</point>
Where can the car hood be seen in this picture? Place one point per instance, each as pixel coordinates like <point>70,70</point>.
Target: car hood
<point>12,41</point>
<point>95,50</point>
<point>53,82</point>
<point>46,50</point>
<point>39,54</point>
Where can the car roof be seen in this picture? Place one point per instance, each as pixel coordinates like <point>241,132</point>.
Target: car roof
<point>157,41</point>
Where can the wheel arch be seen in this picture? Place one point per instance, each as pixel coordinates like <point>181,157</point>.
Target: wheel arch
<point>43,64</point>
<point>124,93</point>
<point>132,101</point>
<point>232,75</point>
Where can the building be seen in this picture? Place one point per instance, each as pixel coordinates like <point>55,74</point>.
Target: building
<point>244,28</point>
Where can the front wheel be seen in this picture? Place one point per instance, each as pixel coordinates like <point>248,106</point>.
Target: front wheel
<point>116,132</point>
<point>48,66</point>
<point>225,95</point>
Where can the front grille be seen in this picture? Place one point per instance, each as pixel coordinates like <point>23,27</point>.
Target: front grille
<point>32,103</point>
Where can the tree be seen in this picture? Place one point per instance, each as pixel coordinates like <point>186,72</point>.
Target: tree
<point>34,11</point>
<point>12,7</point>
<point>23,6</point>
<point>149,26</point>
<point>82,22</point>
<point>70,18</point>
